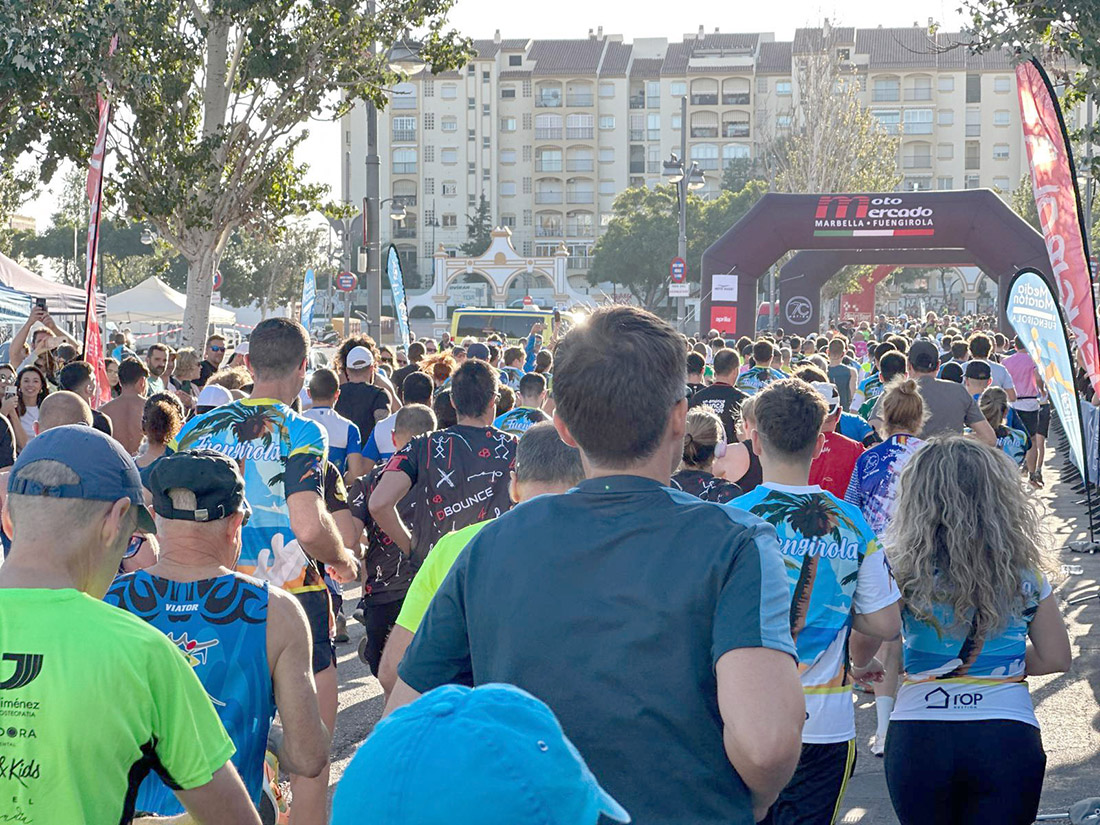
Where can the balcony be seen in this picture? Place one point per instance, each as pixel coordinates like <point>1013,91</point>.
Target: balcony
<point>548,197</point>
<point>548,165</point>
<point>704,131</point>
<point>579,100</point>
<point>404,232</point>
<point>548,231</point>
<point>581,196</point>
<point>885,95</point>
<point>653,134</point>
<point>404,135</point>
<point>736,99</point>
<point>580,165</point>
<point>637,167</point>
<point>917,162</point>
<point>735,130</point>
<point>923,93</point>
<point>705,99</point>
<point>708,164</point>
<point>637,101</point>
<point>653,102</point>
<point>404,168</point>
<point>973,130</point>
<point>580,230</point>
<point>548,102</point>
<point>548,133</point>
<point>654,167</point>
<point>637,134</point>
<point>972,163</point>
<point>580,133</point>
<point>579,261</point>
<point>404,200</point>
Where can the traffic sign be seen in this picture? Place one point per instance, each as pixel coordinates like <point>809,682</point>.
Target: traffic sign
<point>346,281</point>
<point>677,271</point>
<point>528,300</point>
<point>217,281</point>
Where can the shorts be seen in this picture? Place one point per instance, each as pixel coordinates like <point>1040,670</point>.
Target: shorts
<point>1029,419</point>
<point>814,794</point>
<point>318,607</point>
<point>1044,421</point>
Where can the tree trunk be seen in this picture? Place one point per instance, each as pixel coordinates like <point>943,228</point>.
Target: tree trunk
<point>200,286</point>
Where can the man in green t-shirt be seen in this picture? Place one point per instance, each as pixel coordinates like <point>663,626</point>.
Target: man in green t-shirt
<point>91,697</point>
<point>545,465</point>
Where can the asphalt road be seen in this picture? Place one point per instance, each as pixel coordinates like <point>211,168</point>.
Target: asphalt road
<point>1068,705</point>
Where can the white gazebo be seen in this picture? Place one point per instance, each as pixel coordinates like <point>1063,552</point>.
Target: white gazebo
<point>490,279</point>
<point>154,302</point>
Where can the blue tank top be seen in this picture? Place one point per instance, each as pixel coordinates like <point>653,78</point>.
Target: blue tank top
<point>221,627</point>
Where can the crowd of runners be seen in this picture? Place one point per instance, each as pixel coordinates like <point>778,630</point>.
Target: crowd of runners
<point>607,573</point>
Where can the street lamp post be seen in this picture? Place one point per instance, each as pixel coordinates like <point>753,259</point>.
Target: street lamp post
<point>686,179</point>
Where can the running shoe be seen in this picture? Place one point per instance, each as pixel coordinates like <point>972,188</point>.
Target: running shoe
<point>878,745</point>
<point>341,636</point>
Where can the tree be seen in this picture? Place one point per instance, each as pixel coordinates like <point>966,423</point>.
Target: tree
<point>257,270</point>
<point>210,99</point>
<point>479,230</point>
<point>1023,202</point>
<point>739,172</point>
<point>124,260</point>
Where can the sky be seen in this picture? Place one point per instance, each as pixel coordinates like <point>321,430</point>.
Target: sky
<point>573,19</point>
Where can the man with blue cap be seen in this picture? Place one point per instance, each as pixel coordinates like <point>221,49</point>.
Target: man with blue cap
<point>91,698</point>
<point>496,755</point>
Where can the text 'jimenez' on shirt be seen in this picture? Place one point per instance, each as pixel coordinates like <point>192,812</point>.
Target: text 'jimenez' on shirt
<point>834,567</point>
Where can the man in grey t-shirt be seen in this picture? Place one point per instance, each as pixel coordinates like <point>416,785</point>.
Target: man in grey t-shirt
<point>948,404</point>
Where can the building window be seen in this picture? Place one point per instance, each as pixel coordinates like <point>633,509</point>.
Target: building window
<point>527,218</point>
<point>843,54</point>
<point>404,96</point>
<point>404,161</point>
<point>527,248</point>
<point>449,91</point>
<point>508,220</point>
<point>607,121</point>
<point>973,156</point>
<point>972,181</point>
<point>653,127</point>
<point>734,151</point>
<point>485,110</point>
<point>484,77</point>
<point>607,187</point>
<point>914,184</point>
<point>448,155</point>
<point>1002,184</point>
<point>973,88</point>
<point>762,85</point>
<point>783,88</point>
<point>946,182</point>
<point>888,119</point>
<point>507,188</point>
<point>527,88</point>
<point>450,220</point>
<point>508,156</point>
<point>429,186</point>
<point>678,88</point>
<point>404,129</point>
<point>918,121</point>
<point>471,69</point>
<point>429,121</point>
<point>471,134</point>
<point>607,154</point>
<point>471,199</point>
<point>448,124</point>
<point>706,155</point>
<point>920,88</point>
<point>450,188</point>
<point>507,124</point>
<point>783,121</point>
<point>429,154</point>
<point>1002,83</point>
<point>607,90</point>
<point>471,103</point>
<point>886,90</point>
<point>429,88</point>
<point>527,121</point>
<point>945,117</point>
<point>1000,151</point>
<point>652,94</point>
<point>526,153</point>
<point>471,168</point>
<point>945,151</point>
<point>515,60</point>
<point>677,124</point>
<point>527,186</point>
<point>1001,117</point>
<point>946,83</point>
<point>508,92</point>
<point>973,122</point>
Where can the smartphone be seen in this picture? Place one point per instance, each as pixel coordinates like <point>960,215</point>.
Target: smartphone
<point>40,303</point>
<point>9,392</point>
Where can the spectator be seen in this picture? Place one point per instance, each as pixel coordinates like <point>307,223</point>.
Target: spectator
<point>79,377</point>
<point>212,358</point>
<point>156,359</point>
<point>111,365</point>
<point>74,501</point>
<point>127,410</point>
<point>161,421</point>
<point>186,377</point>
<point>21,409</point>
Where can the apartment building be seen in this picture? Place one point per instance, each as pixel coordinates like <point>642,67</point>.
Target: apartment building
<point>550,131</point>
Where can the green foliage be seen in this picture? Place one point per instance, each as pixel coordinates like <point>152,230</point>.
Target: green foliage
<point>739,172</point>
<point>210,99</point>
<point>1023,202</point>
<point>479,230</point>
<point>270,272</point>
<point>641,240</point>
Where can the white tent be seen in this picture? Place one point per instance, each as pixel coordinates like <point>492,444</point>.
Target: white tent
<point>154,302</point>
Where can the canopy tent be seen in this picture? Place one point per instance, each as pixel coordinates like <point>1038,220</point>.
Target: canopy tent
<point>15,307</point>
<point>154,302</point>
<point>60,299</point>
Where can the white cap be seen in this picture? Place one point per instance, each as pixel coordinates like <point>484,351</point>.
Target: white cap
<point>829,393</point>
<point>359,358</point>
<point>214,395</point>
<point>241,348</point>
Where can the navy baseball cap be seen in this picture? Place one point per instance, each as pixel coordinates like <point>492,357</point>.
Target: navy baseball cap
<point>106,471</point>
<point>478,351</point>
<point>493,755</point>
<point>213,478</point>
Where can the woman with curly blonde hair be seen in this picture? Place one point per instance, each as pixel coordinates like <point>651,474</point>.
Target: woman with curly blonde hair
<point>966,551</point>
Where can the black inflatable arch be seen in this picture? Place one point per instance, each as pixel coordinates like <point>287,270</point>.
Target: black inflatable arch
<point>974,224</point>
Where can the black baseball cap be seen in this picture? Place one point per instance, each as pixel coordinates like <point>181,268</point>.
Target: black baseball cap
<point>214,479</point>
<point>979,371</point>
<point>106,471</point>
<point>952,371</point>
<point>924,355</point>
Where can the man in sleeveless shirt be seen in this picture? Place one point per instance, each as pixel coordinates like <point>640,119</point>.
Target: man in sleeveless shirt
<point>248,642</point>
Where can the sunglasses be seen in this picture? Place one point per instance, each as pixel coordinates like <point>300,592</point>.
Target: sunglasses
<point>217,349</point>
<point>134,547</point>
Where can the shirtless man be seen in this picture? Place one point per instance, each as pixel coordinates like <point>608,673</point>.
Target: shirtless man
<point>125,411</point>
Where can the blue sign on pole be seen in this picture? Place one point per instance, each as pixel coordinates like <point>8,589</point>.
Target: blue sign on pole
<point>397,289</point>
<point>1033,313</point>
<point>309,298</point>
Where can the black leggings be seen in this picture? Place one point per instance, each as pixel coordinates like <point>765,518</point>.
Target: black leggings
<point>379,620</point>
<point>961,773</point>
